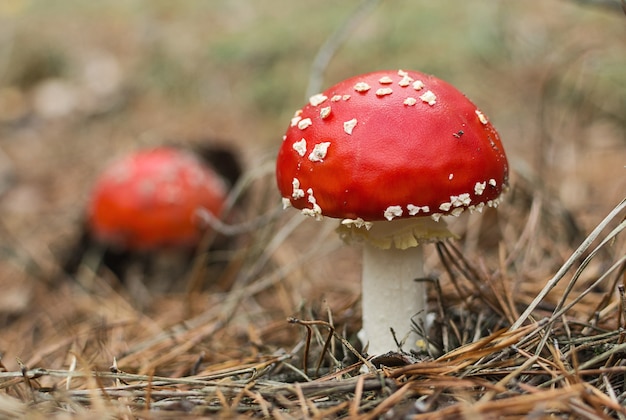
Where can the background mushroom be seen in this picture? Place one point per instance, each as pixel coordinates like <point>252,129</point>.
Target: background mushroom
<point>148,202</point>
<point>389,153</point>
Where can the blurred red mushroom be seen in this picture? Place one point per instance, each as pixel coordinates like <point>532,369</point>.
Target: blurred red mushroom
<point>390,153</point>
<point>150,199</point>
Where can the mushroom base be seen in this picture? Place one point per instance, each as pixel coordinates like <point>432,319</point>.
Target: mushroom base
<point>392,299</point>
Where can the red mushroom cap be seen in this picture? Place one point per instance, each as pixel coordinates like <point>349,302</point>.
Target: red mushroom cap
<point>150,199</point>
<point>390,144</point>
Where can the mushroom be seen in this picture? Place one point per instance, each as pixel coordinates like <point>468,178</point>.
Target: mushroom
<point>389,153</point>
<point>150,200</point>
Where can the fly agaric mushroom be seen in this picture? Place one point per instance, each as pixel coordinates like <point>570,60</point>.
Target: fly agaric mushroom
<point>150,199</point>
<point>389,153</point>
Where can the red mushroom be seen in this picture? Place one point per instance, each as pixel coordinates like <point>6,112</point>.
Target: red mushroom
<point>389,153</point>
<point>150,200</point>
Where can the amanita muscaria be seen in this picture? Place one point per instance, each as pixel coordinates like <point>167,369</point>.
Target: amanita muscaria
<point>389,153</point>
<point>150,200</point>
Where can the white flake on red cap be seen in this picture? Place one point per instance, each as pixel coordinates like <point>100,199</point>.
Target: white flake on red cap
<point>460,200</point>
<point>319,152</point>
<point>295,120</point>
<point>362,87</point>
<point>316,211</point>
<point>348,126</point>
<point>482,117</point>
<point>429,98</point>
<point>479,188</point>
<point>300,147</point>
<point>304,123</point>
<point>315,100</point>
<point>392,211</point>
<point>406,79</point>
<point>418,85</point>
<point>413,210</point>
<point>297,191</point>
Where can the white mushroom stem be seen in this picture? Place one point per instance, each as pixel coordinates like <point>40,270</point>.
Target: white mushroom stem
<point>392,298</point>
<point>393,260</point>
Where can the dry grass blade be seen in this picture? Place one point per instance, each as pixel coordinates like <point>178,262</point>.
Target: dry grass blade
<point>593,236</point>
<point>535,403</point>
